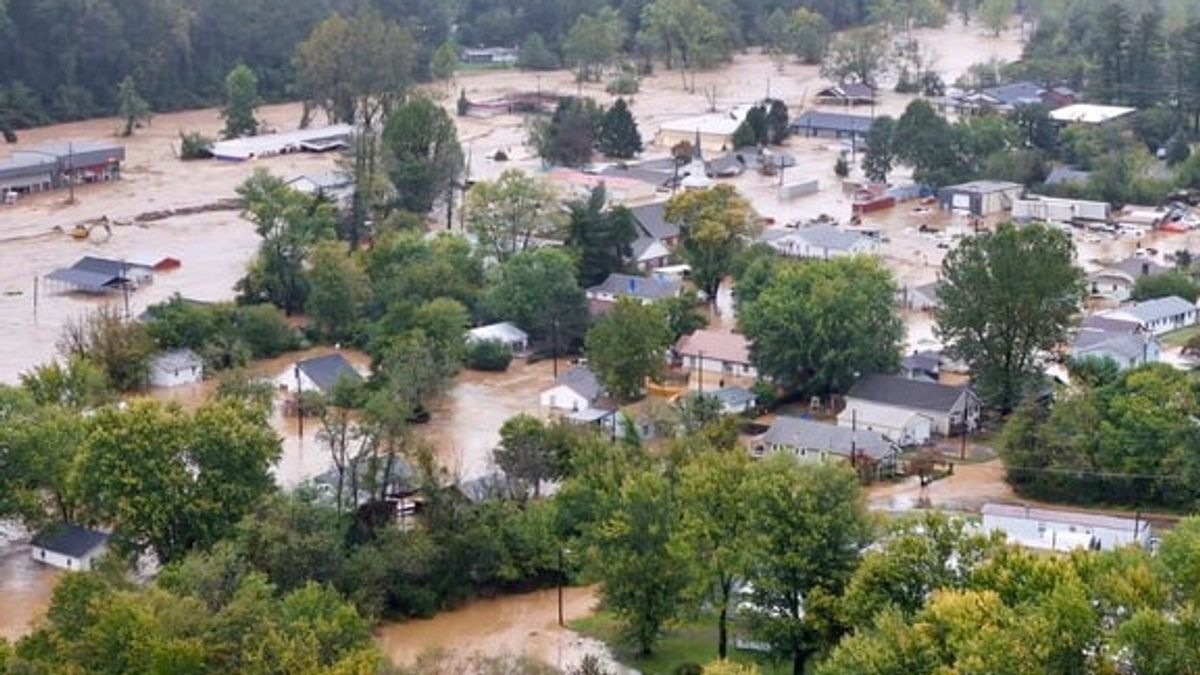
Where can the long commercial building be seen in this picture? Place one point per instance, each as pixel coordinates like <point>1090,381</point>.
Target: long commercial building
<point>57,164</point>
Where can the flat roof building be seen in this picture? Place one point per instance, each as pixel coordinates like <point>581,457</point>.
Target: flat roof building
<point>1090,113</point>
<point>319,139</point>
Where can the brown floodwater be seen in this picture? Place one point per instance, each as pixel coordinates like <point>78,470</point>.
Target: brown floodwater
<point>514,624</point>
<point>26,587</point>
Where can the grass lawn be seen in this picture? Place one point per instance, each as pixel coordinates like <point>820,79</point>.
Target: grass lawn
<point>1180,337</point>
<point>691,642</point>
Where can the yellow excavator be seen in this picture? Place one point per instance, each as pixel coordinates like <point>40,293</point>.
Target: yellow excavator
<point>84,230</point>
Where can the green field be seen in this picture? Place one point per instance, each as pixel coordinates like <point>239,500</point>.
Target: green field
<point>689,642</point>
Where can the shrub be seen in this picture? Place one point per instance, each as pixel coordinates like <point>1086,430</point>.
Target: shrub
<point>624,84</point>
<point>265,331</point>
<point>489,355</point>
<point>194,145</point>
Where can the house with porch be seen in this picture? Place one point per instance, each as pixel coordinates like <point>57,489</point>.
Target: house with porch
<point>813,441</point>
<point>908,411</point>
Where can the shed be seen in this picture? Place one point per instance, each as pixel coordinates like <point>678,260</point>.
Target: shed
<point>70,547</point>
<point>576,389</point>
<point>981,197</point>
<point>505,333</point>
<point>1058,530</point>
<point>176,368</point>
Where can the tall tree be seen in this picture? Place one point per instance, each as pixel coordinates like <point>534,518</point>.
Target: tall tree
<point>356,69</point>
<point>819,325</point>
<point>538,290</point>
<point>685,33</point>
<point>880,156</point>
<point>568,137</point>
<point>628,346</point>
<point>423,154</point>
<point>996,316</point>
<point>600,237</point>
<point>526,451</point>
<point>131,107</point>
<point>509,214</point>
<point>444,62</point>
<point>717,224</point>
<point>619,135</point>
<point>995,14</point>
<point>809,523</point>
<point>241,101</point>
<point>337,289</point>
<point>860,55</point>
<point>594,42</point>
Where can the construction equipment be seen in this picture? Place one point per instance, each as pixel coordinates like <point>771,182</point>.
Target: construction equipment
<point>84,230</point>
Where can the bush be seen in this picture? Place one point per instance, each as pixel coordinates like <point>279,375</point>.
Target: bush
<point>489,355</point>
<point>624,84</point>
<point>265,331</point>
<point>841,167</point>
<point>194,145</point>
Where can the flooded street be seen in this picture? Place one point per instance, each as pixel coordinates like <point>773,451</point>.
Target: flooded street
<point>971,486</point>
<point>25,590</point>
<point>516,624</point>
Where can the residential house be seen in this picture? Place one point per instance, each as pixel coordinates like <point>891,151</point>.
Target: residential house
<point>711,132</point>
<point>1116,281</point>
<point>980,198</point>
<point>395,478</point>
<point>1158,316</point>
<point>490,55</point>
<point>909,411</point>
<point>319,374</point>
<point>337,186</point>
<point>922,365</point>
<point>69,547</point>
<point>176,368</point>
<point>504,332</point>
<point>1058,530</point>
<point>821,240</point>
<point>656,236</point>
<point>576,389</point>
<point>818,123</point>
<point>813,441</point>
<point>603,296</point>
<point>735,400</point>
<point>846,94</point>
<point>716,352</point>
<point>1128,349</point>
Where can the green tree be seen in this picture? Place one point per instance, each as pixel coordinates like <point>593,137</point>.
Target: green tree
<point>995,14</point>
<point>121,348</point>
<point>38,449</point>
<point>569,136</point>
<point>444,62</point>
<point>808,35</point>
<point>78,384</point>
<point>131,107</point>
<point>290,223</point>
<point>538,290</point>
<point>641,576</point>
<point>526,452</point>
<point>996,316</point>
<point>627,346</point>
<point>619,135</point>
<point>356,69</point>
<point>717,224</point>
<point>601,238</point>
<point>714,494</point>
<point>819,325</point>
<point>169,481</point>
<point>808,523</point>
<point>423,154</point>
<point>685,33</point>
<point>778,122</point>
<point>929,144</point>
<point>1164,285</point>
<point>535,55</point>
<point>337,288</point>
<point>683,314</point>
<point>860,54</point>
<point>594,42</point>
<point>510,213</point>
<point>880,155</point>
<point>241,102</point>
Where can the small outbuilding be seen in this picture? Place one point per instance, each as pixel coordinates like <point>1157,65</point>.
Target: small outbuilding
<point>176,368</point>
<point>575,390</point>
<point>70,547</point>
<point>505,333</point>
<point>980,198</point>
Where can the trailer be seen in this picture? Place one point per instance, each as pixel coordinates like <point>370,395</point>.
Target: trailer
<point>1055,210</point>
<point>800,189</point>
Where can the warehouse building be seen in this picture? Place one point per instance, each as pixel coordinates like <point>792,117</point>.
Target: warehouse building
<point>54,165</point>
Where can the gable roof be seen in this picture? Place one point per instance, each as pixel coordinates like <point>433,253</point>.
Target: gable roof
<point>1111,325</point>
<point>1133,268</point>
<point>651,218</point>
<point>504,331</point>
<point>716,345</point>
<point>902,392</point>
<point>796,432</point>
<point>827,236</point>
<point>1017,93</point>
<point>645,288</point>
<point>70,540</point>
<point>831,121</point>
<point>325,371</point>
<point>177,359</point>
<point>1157,309</point>
<point>581,380</point>
<point>1129,346</point>
<point>847,90</point>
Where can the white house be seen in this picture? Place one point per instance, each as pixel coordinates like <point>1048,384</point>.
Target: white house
<point>1116,281</point>
<point>175,368</point>
<point>318,374</point>
<point>574,390</point>
<point>812,441</point>
<point>909,411</point>
<point>650,289</point>
<point>980,197</point>
<point>716,352</point>
<point>1128,349</point>
<point>1055,530</point>
<point>822,241</point>
<point>504,332</point>
<point>1158,316</point>
<point>69,547</point>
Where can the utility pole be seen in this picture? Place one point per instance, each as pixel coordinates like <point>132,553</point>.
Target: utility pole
<point>700,366</point>
<point>71,170</point>
<point>560,586</point>
<point>299,407</point>
<point>554,338</point>
<point>854,438</point>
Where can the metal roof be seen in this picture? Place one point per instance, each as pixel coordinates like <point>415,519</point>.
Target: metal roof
<point>85,280</point>
<point>902,392</point>
<point>820,120</point>
<point>326,371</point>
<point>1067,517</point>
<point>645,288</point>
<point>70,540</point>
<point>581,380</point>
<point>795,432</point>
<point>1154,310</point>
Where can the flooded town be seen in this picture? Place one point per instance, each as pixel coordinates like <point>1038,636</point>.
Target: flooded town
<point>671,336</point>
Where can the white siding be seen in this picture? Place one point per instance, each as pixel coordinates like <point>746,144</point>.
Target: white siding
<point>899,425</point>
<point>164,377</point>
<point>66,562</point>
<point>564,398</point>
<point>1061,536</point>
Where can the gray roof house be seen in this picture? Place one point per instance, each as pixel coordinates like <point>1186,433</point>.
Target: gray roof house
<point>1016,94</point>
<point>575,389</point>
<point>1158,316</point>
<point>909,411</point>
<point>829,124</point>
<point>1116,281</point>
<point>646,289</point>
<point>651,219</point>
<point>323,372</point>
<point>1127,350</point>
<point>818,241</point>
<point>812,440</point>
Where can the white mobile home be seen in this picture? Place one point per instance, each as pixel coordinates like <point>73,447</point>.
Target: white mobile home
<point>1055,530</point>
<point>319,139</point>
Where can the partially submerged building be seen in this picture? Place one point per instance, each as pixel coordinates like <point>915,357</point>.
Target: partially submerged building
<point>315,139</point>
<point>818,123</point>
<point>95,275</point>
<point>56,165</point>
<point>176,368</point>
<point>1058,530</point>
<point>68,546</point>
<point>980,198</point>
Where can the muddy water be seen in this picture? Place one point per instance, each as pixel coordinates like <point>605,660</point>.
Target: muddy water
<point>25,590</point>
<point>514,624</point>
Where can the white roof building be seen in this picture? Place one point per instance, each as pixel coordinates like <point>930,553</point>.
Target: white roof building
<point>503,332</point>
<point>1090,113</point>
<point>318,139</point>
<point>1051,529</point>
